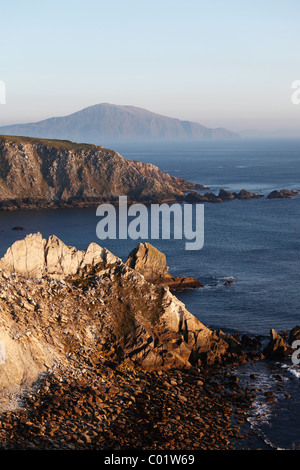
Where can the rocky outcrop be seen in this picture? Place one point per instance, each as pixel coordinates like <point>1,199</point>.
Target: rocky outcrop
<point>195,197</point>
<point>37,173</point>
<point>277,347</point>
<point>223,195</point>
<point>152,264</point>
<point>244,194</point>
<point>294,334</point>
<point>282,194</point>
<point>38,257</point>
<point>90,301</point>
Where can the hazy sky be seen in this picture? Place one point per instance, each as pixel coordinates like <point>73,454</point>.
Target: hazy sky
<point>225,63</point>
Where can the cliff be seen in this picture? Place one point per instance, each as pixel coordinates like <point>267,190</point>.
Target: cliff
<point>61,307</point>
<point>49,173</point>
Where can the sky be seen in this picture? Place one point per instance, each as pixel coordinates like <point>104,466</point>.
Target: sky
<point>220,63</point>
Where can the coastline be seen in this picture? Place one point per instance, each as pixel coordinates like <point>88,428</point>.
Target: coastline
<point>108,407</point>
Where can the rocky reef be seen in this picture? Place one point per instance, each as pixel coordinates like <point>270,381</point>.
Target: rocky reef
<point>283,194</point>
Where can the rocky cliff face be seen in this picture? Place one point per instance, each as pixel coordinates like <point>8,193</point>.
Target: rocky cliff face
<point>59,305</point>
<point>36,257</point>
<point>45,173</point>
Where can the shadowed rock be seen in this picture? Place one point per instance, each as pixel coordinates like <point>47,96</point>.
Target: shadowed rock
<point>277,347</point>
<point>282,194</point>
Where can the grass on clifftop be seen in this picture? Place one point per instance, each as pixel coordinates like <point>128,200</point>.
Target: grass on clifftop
<point>55,143</point>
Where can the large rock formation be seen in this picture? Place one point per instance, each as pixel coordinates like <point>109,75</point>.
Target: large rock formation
<point>150,262</point>
<point>50,173</point>
<point>92,304</point>
<point>38,257</point>
<point>277,348</point>
<point>283,194</point>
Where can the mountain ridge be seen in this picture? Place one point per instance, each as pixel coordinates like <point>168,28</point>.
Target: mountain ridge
<point>107,122</point>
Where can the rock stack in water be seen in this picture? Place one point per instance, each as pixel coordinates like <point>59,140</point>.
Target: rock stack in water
<point>152,264</point>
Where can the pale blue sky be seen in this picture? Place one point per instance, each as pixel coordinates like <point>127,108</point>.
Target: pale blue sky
<point>219,62</point>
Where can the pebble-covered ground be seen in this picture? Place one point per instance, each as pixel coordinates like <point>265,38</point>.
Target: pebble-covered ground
<point>107,406</point>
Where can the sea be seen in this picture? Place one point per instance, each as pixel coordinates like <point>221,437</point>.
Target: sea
<point>253,243</point>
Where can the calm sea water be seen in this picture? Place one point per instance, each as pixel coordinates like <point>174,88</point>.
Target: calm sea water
<point>255,243</point>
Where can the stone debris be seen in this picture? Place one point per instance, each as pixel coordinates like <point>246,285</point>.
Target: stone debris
<point>113,407</point>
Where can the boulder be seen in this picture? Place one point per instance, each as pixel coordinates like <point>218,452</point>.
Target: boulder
<point>244,194</point>
<point>225,195</point>
<point>277,347</point>
<point>294,335</point>
<point>194,197</point>
<point>282,194</point>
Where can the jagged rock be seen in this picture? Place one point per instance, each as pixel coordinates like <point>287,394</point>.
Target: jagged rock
<point>50,316</point>
<point>277,347</point>
<point>244,194</point>
<point>38,257</point>
<point>294,334</point>
<point>150,262</point>
<point>195,197</point>
<point>211,197</point>
<point>283,193</point>
<point>225,195</point>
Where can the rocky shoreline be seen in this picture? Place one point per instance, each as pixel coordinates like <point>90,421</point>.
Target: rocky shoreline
<point>99,357</point>
<point>40,174</point>
<point>191,197</point>
<point>102,406</point>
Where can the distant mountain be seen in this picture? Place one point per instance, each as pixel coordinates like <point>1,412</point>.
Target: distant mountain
<point>105,123</point>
